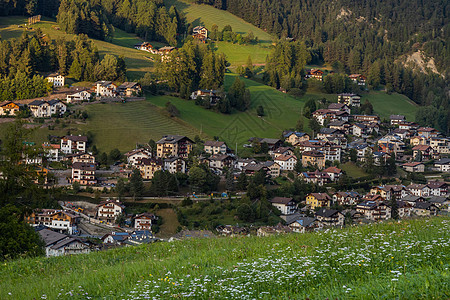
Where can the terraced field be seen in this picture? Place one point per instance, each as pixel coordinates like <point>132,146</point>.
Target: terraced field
<point>281,112</point>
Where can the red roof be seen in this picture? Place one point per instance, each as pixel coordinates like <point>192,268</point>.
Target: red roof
<point>333,170</point>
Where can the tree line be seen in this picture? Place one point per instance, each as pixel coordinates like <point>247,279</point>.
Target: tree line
<point>150,20</point>
<point>192,67</point>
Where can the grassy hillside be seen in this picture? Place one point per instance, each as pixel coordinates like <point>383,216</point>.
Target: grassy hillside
<point>404,260</point>
<point>385,105</point>
<point>122,43</point>
<point>207,15</point>
<point>282,112</point>
<point>119,125</point>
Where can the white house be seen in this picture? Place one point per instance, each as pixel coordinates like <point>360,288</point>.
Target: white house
<point>144,221</point>
<point>105,89</point>
<point>215,147</point>
<point>73,144</point>
<point>174,165</point>
<point>286,162</point>
<point>135,156</point>
<point>52,151</point>
<point>287,206</point>
<point>443,165</point>
<point>78,97</point>
<point>109,210</point>
<point>46,109</point>
<point>56,78</point>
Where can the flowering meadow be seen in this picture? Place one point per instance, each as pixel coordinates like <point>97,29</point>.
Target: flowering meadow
<point>404,260</point>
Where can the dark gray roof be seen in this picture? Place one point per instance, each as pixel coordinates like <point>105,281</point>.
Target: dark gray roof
<point>50,237</point>
<point>66,242</point>
<point>325,212</point>
<point>281,200</point>
<point>36,103</point>
<point>172,139</point>
<point>436,199</point>
<point>442,161</point>
<point>412,198</point>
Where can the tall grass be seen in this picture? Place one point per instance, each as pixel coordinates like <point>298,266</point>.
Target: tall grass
<point>404,260</point>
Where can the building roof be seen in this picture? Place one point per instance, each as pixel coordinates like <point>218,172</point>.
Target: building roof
<point>423,205</point>
<point>214,143</point>
<point>84,166</point>
<point>436,199</point>
<point>128,85</point>
<point>281,200</point>
<point>76,138</point>
<point>172,139</point>
<point>443,161</point>
<point>299,134</point>
<point>145,215</point>
<point>327,213</point>
<point>313,153</point>
<point>333,170</point>
<point>436,184</point>
<point>50,237</point>
<point>412,198</point>
<point>254,167</point>
<point>66,242</point>
<point>416,186</point>
<point>220,157</point>
<point>305,221</point>
<point>285,157</point>
<point>37,103</point>
<point>321,196</point>
<point>421,147</point>
<point>412,164</point>
<point>337,105</point>
<point>397,117</point>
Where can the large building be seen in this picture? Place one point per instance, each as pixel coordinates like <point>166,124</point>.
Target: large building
<point>174,145</point>
<point>71,144</point>
<point>84,173</point>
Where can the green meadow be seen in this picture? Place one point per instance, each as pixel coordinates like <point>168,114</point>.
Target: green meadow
<point>207,16</point>
<point>407,259</point>
<point>281,112</point>
<point>385,105</point>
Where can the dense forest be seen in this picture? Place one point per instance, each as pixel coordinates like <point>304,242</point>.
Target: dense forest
<point>148,19</point>
<point>375,29</point>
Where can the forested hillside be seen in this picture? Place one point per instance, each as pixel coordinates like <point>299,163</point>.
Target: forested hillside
<point>367,37</point>
<point>378,29</point>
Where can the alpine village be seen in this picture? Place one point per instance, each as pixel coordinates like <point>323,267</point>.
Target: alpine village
<point>159,149</point>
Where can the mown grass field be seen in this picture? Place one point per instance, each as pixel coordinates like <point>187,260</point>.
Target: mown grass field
<point>207,15</point>
<point>282,112</point>
<point>353,170</point>
<point>395,260</point>
<point>122,125</point>
<point>119,125</point>
<point>385,105</point>
<point>122,43</point>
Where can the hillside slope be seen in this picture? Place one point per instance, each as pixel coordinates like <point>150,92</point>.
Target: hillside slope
<point>236,54</point>
<point>403,260</point>
<point>122,43</point>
